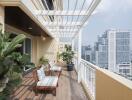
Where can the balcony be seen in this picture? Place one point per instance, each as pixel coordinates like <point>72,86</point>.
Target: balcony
<point>96,84</point>
<point>47,31</point>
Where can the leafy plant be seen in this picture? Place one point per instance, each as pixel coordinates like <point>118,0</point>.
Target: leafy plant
<point>58,56</point>
<point>21,61</point>
<point>6,48</point>
<point>67,55</point>
<point>43,61</point>
<point>14,81</point>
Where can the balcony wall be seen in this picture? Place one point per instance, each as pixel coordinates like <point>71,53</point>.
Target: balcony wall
<point>47,47</point>
<point>101,84</point>
<point>110,86</point>
<point>2,17</point>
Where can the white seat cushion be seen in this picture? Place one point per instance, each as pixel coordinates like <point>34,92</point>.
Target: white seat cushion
<point>48,81</point>
<point>55,68</point>
<point>41,74</point>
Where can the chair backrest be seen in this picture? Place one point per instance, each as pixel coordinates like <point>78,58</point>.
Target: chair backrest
<point>41,73</point>
<point>51,64</point>
<point>43,66</point>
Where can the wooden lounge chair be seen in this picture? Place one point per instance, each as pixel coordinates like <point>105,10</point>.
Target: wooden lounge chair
<point>55,68</point>
<point>44,82</point>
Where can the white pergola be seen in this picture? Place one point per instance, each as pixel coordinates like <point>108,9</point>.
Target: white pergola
<point>68,16</point>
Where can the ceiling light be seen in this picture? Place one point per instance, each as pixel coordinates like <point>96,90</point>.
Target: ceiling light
<point>43,38</point>
<point>30,28</point>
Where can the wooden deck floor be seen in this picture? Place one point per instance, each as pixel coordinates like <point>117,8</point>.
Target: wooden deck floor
<point>68,89</point>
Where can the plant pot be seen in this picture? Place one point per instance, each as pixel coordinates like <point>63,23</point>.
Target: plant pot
<point>70,67</point>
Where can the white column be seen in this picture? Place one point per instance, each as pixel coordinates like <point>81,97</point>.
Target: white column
<point>73,43</point>
<point>79,55</point>
<point>2,17</point>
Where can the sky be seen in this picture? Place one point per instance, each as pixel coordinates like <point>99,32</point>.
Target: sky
<point>110,14</point>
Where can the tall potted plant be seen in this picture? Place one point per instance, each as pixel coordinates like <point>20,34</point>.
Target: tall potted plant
<point>67,56</point>
<point>6,48</point>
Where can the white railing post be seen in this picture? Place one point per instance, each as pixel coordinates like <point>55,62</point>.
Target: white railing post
<point>79,55</point>
<point>88,72</point>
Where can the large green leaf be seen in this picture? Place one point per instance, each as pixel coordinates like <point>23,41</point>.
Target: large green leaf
<point>14,44</point>
<point>6,48</point>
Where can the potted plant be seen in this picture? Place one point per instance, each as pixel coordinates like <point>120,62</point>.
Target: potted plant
<point>67,56</point>
<point>7,46</point>
<point>43,61</point>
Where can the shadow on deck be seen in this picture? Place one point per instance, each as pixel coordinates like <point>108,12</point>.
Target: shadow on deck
<point>68,89</point>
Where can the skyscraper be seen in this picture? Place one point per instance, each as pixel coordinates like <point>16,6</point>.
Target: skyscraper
<point>112,51</point>
<point>87,53</point>
<point>119,51</point>
<point>102,51</point>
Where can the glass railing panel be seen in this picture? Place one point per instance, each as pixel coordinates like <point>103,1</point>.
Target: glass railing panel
<point>88,74</point>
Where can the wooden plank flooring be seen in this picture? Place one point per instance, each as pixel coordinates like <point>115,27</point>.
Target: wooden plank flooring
<point>68,89</point>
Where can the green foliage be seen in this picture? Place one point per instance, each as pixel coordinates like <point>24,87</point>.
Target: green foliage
<point>7,45</point>
<point>15,80</point>
<point>43,61</point>
<point>6,48</point>
<point>17,66</point>
<point>21,61</point>
<point>67,55</point>
<point>58,56</point>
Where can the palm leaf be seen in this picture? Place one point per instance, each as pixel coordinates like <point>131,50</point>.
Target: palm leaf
<point>14,44</point>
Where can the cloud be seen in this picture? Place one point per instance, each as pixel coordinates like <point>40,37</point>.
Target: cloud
<point>113,5</point>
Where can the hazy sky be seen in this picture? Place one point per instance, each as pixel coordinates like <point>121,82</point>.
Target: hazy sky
<point>109,14</point>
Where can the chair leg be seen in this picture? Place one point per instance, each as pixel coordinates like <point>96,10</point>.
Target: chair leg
<point>36,92</point>
<point>54,92</point>
<point>59,73</point>
<point>57,84</point>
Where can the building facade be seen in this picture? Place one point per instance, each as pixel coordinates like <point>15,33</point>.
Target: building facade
<point>102,51</point>
<point>87,53</point>
<point>112,51</point>
<point>119,52</point>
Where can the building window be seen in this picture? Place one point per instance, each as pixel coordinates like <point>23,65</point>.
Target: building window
<point>27,46</point>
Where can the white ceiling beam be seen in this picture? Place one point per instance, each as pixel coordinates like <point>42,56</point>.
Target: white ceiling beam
<point>68,31</point>
<point>59,13</point>
<point>92,7</point>
<point>64,32</point>
<point>62,24</point>
<point>65,26</point>
<point>63,29</point>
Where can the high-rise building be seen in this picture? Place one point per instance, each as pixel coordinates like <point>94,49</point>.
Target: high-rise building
<point>131,56</point>
<point>101,52</point>
<point>87,53</point>
<point>112,51</point>
<point>119,51</point>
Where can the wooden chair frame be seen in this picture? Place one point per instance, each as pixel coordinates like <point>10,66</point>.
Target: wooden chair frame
<point>58,72</point>
<point>36,88</point>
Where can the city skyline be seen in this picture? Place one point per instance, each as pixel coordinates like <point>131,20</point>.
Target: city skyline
<point>108,16</point>
<point>111,51</point>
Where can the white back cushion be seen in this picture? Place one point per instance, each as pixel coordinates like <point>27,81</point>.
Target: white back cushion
<point>43,66</point>
<point>51,63</point>
<point>41,74</point>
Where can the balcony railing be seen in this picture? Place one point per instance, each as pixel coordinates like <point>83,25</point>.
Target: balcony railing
<point>101,84</point>
<point>88,75</point>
